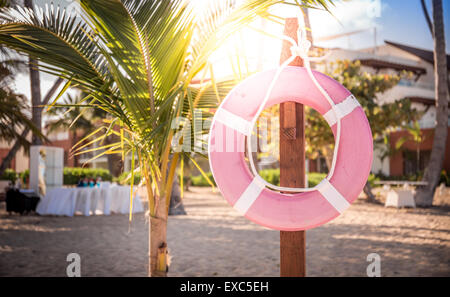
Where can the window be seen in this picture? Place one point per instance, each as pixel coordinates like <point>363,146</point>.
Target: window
<point>413,164</point>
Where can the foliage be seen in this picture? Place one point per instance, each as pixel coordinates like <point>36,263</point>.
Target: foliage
<point>415,134</point>
<point>72,175</point>
<point>373,179</point>
<point>270,175</point>
<point>9,174</point>
<point>367,88</point>
<point>315,178</point>
<point>70,115</point>
<point>445,178</point>
<point>13,111</point>
<point>24,176</point>
<point>125,178</point>
<point>200,180</point>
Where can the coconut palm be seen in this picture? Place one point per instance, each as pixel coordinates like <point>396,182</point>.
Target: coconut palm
<point>10,62</point>
<point>71,116</point>
<point>14,116</point>
<point>137,61</point>
<point>424,195</point>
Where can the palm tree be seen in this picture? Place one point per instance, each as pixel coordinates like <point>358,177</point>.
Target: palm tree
<point>14,118</point>
<point>34,77</point>
<point>76,117</point>
<point>424,196</point>
<point>70,115</point>
<point>136,60</point>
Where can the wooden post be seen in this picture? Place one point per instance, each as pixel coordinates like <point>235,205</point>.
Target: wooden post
<point>292,165</point>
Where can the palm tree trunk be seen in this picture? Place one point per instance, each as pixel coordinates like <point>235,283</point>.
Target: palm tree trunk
<point>430,27</point>
<point>158,255</point>
<point>307,25</point>
<point>424,195</point>
<point>427,16</point>
<point>418,157</point>
<point>36,113</point>
<point>369,195</point>
<point>35,84</point>
<point>73,142</point>
<point>176,206</point>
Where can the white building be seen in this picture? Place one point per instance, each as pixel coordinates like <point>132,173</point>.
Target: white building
<point>392,58</point>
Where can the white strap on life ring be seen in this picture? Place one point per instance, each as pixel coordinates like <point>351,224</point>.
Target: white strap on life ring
<point>332,195</point>
<point>233,121</point>
<point>341,110</point>
<point>249,196</point>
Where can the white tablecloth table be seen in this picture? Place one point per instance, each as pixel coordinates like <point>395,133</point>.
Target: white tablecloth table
<point>120,204</point>
<point>87,201</point>
<point>58,201</point>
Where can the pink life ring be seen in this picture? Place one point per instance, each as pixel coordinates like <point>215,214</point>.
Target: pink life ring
<point>298,211</point>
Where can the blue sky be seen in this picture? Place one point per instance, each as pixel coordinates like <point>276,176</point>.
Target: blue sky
<point>401,21</point>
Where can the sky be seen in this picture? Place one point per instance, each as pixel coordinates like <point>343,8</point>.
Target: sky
<point>400,21</point>
<point>396,20</point>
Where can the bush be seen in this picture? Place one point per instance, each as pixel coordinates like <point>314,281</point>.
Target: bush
<point>270,175</point>
<point>72,175</point>
<point>314,178</point>
<point>445,178</point>
<point>412,177</point>
<point>200,180</point>
<point>10,175</point>
<point>372,179</point>
<point>24,176</point>
<point>124,178</point>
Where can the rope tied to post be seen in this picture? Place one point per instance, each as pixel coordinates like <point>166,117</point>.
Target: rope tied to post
<point>298,49</point>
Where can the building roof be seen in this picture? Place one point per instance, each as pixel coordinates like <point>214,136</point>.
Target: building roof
<point>425,101</point>
<point>425,55</point>
<point>380,64</point>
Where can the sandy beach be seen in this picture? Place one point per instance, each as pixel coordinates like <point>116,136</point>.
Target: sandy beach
<point>214,240</point>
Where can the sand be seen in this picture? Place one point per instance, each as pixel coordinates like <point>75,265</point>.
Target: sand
<point>214,240</point>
